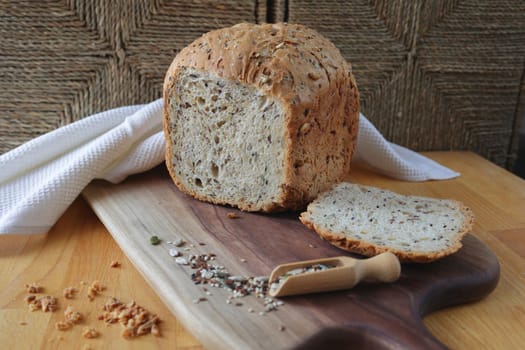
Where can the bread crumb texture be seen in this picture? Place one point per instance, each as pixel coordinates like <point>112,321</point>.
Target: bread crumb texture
<point>261,117</point>
<point>369,220</point>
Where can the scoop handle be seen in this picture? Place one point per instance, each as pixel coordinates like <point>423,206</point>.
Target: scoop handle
<point>384,267</point>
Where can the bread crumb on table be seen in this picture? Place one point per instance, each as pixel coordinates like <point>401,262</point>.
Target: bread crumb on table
<point>69,292</point>
<point>33,288</point>
<point>63,325</point>
<point>95,289</point>
<point>71,318</point>
<point>135,319</point>
<point>90,333</point>
<point>114,264</point>
<point>46,303</point>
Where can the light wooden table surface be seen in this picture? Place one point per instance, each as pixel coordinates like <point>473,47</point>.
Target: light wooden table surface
<point>79,248</point>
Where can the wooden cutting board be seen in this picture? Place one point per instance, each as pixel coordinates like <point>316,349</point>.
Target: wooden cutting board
<point>382,316</point>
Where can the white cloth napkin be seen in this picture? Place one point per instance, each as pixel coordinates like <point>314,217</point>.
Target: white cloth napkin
<point>42,177</point>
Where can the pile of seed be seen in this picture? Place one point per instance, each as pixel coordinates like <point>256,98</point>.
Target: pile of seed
<point>307,269</point>
<point>208,272</point>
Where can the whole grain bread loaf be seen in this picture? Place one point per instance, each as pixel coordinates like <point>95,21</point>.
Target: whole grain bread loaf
<point>261,117</point>
<point>369,220</point>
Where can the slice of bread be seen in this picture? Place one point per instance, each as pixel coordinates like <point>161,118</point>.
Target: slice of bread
<point>369,220</point>
<point>261,117</point>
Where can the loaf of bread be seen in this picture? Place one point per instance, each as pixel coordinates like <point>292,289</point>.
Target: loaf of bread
<point>369,220</point>
<point>260,117</point>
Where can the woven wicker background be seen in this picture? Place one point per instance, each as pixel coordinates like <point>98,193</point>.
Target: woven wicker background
<point>64,60</point>
<point>434,75</point>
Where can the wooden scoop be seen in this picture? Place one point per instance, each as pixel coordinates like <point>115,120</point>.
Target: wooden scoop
<point>345,273</point>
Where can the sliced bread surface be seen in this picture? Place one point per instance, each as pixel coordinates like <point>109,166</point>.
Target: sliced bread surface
<point>369,220</point>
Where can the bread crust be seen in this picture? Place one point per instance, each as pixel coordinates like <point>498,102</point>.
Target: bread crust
<point>369,249</point>
<point>308,75</point>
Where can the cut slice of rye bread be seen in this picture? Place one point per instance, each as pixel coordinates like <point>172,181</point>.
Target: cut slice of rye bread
<point>369,220</point>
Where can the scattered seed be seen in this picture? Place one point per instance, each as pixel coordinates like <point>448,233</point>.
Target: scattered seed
<point>312,246</point>
<point>200,299</point>
<point>154,240</point>
<point>179,242</point>
<point>174,252</point>
<point>202,243</point>
<point>282,328</point>
<point>181,261</point>
<point>22,323</point>
<point>208,273</point>
<point>250,310</point>
<point>243,260</point>
<point>114,264</point>
<point>262,313</point>
<point>270,307</point>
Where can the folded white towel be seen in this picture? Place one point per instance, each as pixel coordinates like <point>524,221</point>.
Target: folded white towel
<point>393,160</point>
<point>42,177</point>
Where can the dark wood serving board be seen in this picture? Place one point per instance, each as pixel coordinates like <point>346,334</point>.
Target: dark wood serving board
<point>382,316</point>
